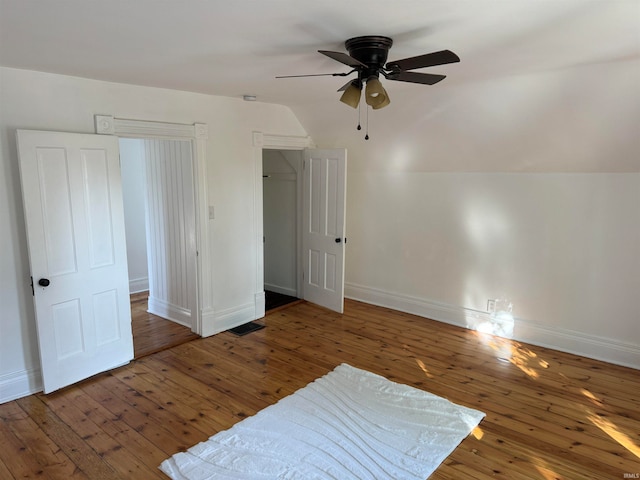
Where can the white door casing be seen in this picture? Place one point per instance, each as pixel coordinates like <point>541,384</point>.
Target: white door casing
<point>323,235</point>
<point>74,218</point>
<point>203,320</point>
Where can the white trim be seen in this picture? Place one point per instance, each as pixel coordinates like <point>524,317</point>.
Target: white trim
<point>138,284</point>
<point>219,321</point>
<point>578,343</point>
<point>283,290</point>
<point>124,127</point>
<point>570,341</point>
<point>167,310</point>
<point>229,318</point>
<point>209,322</point>
<point>258,225</point>
<point>282,142</point>
<point>198,134</point>
<point>262,141</point>
<point>259,302</point>
<point>20,384</point>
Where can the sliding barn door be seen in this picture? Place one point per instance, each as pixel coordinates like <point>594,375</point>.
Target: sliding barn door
<point>324,238</point>
<point>75,230</point>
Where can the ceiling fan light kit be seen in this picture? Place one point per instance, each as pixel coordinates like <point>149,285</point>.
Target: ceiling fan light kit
<point>368,57</point>
<point>352,94</point>
<point>383,103</point>
<point>376,95</point>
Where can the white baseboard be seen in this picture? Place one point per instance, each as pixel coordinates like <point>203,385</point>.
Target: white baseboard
<point>138,284</point>
<point>283,290</point>
<point>578,343</point>
<point>20,384</point>
<point>259,301</point>
<point>175,313</point>
<point>570,341</point>
<point>216,321</point>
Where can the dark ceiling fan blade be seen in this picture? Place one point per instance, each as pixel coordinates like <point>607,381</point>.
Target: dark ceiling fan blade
<point>427,60</point>
<point>343,58</point>
<point>414,77</point>
<point>317,75</point>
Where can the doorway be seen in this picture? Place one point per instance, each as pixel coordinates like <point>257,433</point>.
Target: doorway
<point>158,195</point>
<point>151,333</point>
<point>281,192</point>
<point>321,183</point>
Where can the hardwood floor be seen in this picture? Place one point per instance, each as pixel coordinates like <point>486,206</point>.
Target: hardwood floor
<point>549,414</point>
<point>152,334</point>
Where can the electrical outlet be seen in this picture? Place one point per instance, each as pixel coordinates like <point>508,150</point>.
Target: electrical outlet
<point>491,305</point>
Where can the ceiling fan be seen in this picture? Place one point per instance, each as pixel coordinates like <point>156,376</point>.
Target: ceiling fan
<point>368,58</point>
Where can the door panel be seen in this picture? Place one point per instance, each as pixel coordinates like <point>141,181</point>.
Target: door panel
<point>324,227</point>
<point>75,231</point>
<point>56,211</point>
<point>99,224</point>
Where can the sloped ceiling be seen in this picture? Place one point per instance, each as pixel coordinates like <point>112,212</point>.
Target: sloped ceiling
<point>543,86</point>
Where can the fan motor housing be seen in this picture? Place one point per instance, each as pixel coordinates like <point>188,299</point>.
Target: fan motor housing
<point>372,50</point>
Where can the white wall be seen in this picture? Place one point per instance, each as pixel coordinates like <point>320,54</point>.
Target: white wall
<point>40,101</point>
<point>133,193</point>
<point>565,248</point>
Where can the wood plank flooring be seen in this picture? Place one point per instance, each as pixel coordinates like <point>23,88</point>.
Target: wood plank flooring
<point>550,415</point>
<point>151,333</point>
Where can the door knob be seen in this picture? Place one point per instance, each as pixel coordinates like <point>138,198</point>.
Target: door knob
<point>338,240</point>
<point>44,282</point>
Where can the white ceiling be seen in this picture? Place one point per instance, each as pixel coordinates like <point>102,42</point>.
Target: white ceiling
<point>543,86</point>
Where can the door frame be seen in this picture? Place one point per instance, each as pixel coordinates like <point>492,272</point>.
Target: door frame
<point>262,141</point>
<point>197,134</point>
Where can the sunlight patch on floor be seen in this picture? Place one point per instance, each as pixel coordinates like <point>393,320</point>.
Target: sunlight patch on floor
<point>477,433</point>
<point>614,432</point>
<point>424,368</point>
<point>610,428</point>
<point>591,397</point>
<point>543,469</point>
<point>515,353</point>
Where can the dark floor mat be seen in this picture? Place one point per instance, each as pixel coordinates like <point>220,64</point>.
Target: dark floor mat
<point>246,328</point>
<point>274,300</point>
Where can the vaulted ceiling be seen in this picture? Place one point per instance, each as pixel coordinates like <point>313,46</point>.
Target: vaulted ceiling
<point>542,86</point>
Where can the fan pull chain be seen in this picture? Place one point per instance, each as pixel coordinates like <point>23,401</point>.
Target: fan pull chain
<point>359,108</point>
<point>366,137</point>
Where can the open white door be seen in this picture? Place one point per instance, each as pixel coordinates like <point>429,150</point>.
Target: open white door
<point>323,240</point>
<point>75,229</point>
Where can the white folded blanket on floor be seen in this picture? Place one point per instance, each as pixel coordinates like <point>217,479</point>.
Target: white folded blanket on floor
<point>348,424</point>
